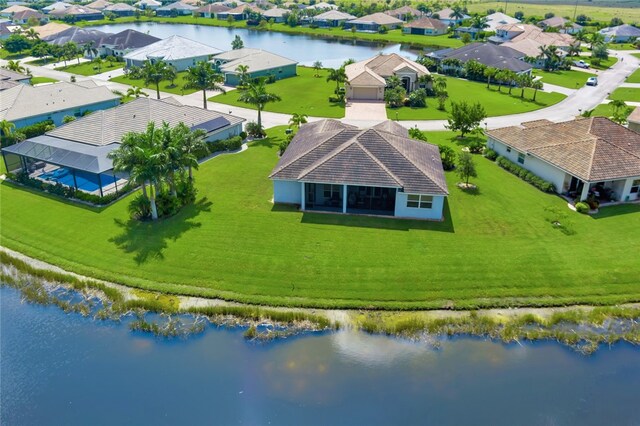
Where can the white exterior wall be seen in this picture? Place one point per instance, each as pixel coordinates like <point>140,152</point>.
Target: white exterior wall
<point>536,166</point>
<point>180,65</point>
<point>226,133</point>
<point>434,213</point>
<point>287,192</point>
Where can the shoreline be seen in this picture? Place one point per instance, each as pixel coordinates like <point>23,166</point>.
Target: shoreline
<point>582,327</point>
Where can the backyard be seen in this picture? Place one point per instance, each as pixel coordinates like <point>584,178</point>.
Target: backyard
<point>91,68</point>
<point>305,94</point>
<point>495,102</point>
<point>627,94</point>
<point>165,86</point>
<point>497,246</point>
<point>569,78</point>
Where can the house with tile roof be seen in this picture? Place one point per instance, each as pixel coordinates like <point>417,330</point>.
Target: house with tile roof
<point>120,9</point>
<point>9,79</point>
<point>405,13</point>
<point>561,24</point>
<point>332,18</point>
<point>583,157</point>
<point>99,4</point>
<point>277,14</point>
<point>620,34</point>
<point>124,42</point>
<point>76,154</point>
<point>179,8</point>
<point>241,12</point>
<point>260,63</point>
<point>330,166</point>
<point>446,16</point>
<point>490,55</point>
<point>78,35</point>
<point>148,4</point>
<point>425,26</point>
<point>79,13</point>
<point>366,80</point>
<point>497,19</point>
<point>374,22</point>
<point>177,51</point>
<point>212,10</point>
<point>22,18</point>
<point>59,5</point>
<point>50,29</point>
<point>16,8</point>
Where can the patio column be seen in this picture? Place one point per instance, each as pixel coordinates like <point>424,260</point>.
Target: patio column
<point>585,191</point>
<point>75,183</point>
<point>302,190</point>
<point>100,185</point>
<point>115,182</point>
<point>344,198</point>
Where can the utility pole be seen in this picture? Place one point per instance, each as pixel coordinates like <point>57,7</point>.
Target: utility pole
<point>575,11</point>
<point>506,3</point>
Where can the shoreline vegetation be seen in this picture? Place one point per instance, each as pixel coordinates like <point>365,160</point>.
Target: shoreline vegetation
<point>583,328</point>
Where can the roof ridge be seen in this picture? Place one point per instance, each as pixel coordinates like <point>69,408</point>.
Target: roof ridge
<point>378,162</point>
<point>327,157</point>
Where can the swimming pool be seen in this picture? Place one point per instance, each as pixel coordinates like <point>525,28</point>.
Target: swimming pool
<point>86,181</point>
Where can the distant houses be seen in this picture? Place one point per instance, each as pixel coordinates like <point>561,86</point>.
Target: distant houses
<point>404,13</point>
<point>497,19</point>
<point>120,9</point>
<point>425,26</point>
<point>177,51</point>
<point>332,18</point>
<point>212,10</point>
<point>78,13</point>
<point>620,34</point>
<point>374,23</point>
<point>260,63</point>
<point>177,8</point>
<point>490,55</point>
<point>126,41</point>
<point>447,17</point>
<point>560,24</point>
<point>148,4</point>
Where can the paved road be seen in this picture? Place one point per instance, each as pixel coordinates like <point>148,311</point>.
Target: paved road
<point>585,98</point>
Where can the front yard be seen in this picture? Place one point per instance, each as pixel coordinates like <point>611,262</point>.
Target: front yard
<point>495,102</point>
<point>605,110</point>
<point>497,246</point>
<point>304,94</point>
<point>570,79</point>
<point>630,94</point>
<point>177,88</point>
<point>91,68</point>
<point>635,77</point>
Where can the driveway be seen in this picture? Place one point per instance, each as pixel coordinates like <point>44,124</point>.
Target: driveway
<point>365,110</point>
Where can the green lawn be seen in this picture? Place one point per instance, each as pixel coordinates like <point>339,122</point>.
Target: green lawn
<point>604,65</point>
<point>495,102</point>
<point>605,110</point>
<point>496,247</point>
<point>621,46</point>
<point>90,68</point>
<point>4,54</point>
<point>635,77</point>
<point>304,93</point>
<point>165,86</point>
<point>561,8</point>
<point>637,55</point>
<point>40,80</point>
<point>570,78</point>
<point>631,94</point>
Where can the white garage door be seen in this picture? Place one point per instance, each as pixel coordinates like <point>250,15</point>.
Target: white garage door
<point>369,93</point>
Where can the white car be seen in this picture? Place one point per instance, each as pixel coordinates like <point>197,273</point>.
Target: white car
<point>581,64</point>
<point>592,81</point>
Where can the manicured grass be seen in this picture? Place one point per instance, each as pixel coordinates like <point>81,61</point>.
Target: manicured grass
<point>637,55</point>
<point>495,102</point>
<point>598,12</point>
<point>496,247</point>
<point>604,65</point>
<point>393,36</point>
<point>305,93</point>
<point>621,46</point>
<point>605,110</point>
<point>635,77</point>
<point>4,54</point>
<point>90,68</point>
<point>165,86</point>
<point>569,78</point>
<point>40,80</point>
<point>626,94</point>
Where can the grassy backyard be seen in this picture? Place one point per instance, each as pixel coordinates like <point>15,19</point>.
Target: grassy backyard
<point>571,79</point>
<point>630,94</point>
<point>304,94</point>
<point>165,86</point>
<point>495,102</point>
<point>497,246</point>
<point>40,80</point>
<point>90,68</point>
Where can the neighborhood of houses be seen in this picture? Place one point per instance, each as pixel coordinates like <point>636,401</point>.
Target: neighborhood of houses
<point>329,165</point>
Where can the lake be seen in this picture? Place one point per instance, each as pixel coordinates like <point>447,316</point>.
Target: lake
<point>59,368</point>
<point>302,48</point>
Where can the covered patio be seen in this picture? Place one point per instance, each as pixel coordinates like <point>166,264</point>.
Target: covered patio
<point>608,191</point>
<point>353,199</point>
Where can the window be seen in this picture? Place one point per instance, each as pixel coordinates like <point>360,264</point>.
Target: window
<point>635,186</point>
<point>508,149</point>
<point>419,201</point>
<point>332,191</point>
<point>521,158</point>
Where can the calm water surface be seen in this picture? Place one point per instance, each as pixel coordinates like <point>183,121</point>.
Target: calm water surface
<point>68,370</point>
<point>302,48</point>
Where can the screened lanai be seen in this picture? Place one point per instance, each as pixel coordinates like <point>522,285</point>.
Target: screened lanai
<point>55,160</point>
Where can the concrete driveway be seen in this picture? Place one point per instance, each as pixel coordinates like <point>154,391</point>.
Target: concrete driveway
<point>365,110</point>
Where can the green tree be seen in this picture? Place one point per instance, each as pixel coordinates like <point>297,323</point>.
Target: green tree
<point>523,81</point>
<point>297,119</point>
<point>41,50</point>
<point>203,76</point>
<point>466,167</point>
<point>243,75</point>
<point>154,73</point>
<point>465,117</point>
<point>191,143</point>
<point>16,43</point>
<point>237,43</point>
<point>136,92</point>
<point>600,52</point>
<point>71,51</point>
<point>31,34</point>
<point>338,75</point>
<point>14,66</point>
<point>90,49</point>
<point>596,38</point>
<point>394,96</point>
<point>256,94</point>
<point>6,128</point>
<point>536,85</point>
<point>317,66</point>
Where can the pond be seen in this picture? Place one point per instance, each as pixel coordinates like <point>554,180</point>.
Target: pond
<point>302,48</point>
<point>62,368</point>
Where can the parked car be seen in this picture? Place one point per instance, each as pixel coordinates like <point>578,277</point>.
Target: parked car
<point>592,81</point>
<point>581,64</point>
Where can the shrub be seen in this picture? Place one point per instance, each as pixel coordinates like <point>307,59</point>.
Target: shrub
<point>166,204</point>
<point>415,133</point>
<point>525,175</point>
<point>592,202</point>
<point>418,98</point>
<point>336,98</point>
<point>12,139</point>
<point>254,130</point>
<point>476,146</point>
<point>582,207</point>
<point>140,208</point>
<point>448,157</point>
<point>490,154</point>
<point>243,135</point>
<point>37,129</point>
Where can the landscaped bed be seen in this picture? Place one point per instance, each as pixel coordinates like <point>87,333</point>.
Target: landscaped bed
<point>495,102</point>
<point>569,78</point>
<point>91,68</point>
<point>304,94</point>
<point>165,86</point>
<point>631,94</point>
<point>497,246</point>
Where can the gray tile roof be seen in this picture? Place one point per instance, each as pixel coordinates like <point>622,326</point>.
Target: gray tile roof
<point>171,49</point>
<point>255,59</point>
<point>332,152</point>
<point>488,54</point>
<point>623,30</point>
<point>77,35</point>
<point>128,39</point>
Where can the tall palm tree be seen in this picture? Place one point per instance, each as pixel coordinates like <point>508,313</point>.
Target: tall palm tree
<point>243,74</point>
<point>136,92</point>
<point>490,72</point>
<point>524,81</point>
<point>203,76</point>
<point>338,75</point>
<point>536,85</point>
<point>457,12</point>
<point>479,22</point>
<point>548,53</point>
<point>90,49</point>
<point>14,66</point>
<point>297,119</point>
<point>6,127</point>
<point>171,152</point>
<point>191,143</point>
<point>71,51</point>
<point>257,95</point>
<point>154,73</point>
<point>31,34</point>
<point>596,38</point>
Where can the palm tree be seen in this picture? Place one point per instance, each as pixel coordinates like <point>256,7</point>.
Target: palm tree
<point>536,85</point>
<point>338,75</point>
<point>574,50</point>
<point>596,38</point>
<point>15,66</point>
<point>457,12</point>
<point>510,77</point>
<point>243,74</point>
<point>203,76</point>
<point>154,73</point>
<point>440,84</point>
<point>297,119</point>
<point>191,143</point>
<point>479,22</point>
<point>581,35</point>
<point>256,94</point>
<point>136,91</point>
<point>6,127</point>
<point>548,53</point>
<point>524,81</point>
<point>71,51</point>
<point>31,34</point>
<point>90,49</point>
<point>616,105</point>
<point>317,66</point>
<point>501,77</point>
<point>490,72</point>
<point>171,152</point>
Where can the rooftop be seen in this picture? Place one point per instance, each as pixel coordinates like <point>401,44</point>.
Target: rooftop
<point>255,59</point>
<point>128,39</point>
<point>427,23</point>
<point>75,11</point>
<point>178,5</point>
<point>378,68</point>
<point>377,18</point>
<point>171,49</point>
<point>490,55</point>
<point>333,15</point>
<point>99,4</point>
<point>50,29</point>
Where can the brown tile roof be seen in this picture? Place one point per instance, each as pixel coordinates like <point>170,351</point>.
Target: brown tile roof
<point>427,23</point>
<point>213,8</point>
<point>332,152</point>
<point>379,67</point>
<point>377,18</point>
<point>592,149</point>
<point>403,11</point>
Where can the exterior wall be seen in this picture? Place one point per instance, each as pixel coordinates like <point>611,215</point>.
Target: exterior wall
<point>57,116</point>
<point>180,65</point>
<point>434,213</point>
<point>350,89</point>
<point>181,12</point>
<point>423,31</point>
<point>287,192</point>
<point>536,166</point>
<point>287,71</point>
<point>226,133</point>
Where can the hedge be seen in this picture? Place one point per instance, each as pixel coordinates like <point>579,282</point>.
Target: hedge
<point>525,175</point>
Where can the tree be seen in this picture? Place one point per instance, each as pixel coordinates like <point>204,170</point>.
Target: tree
<point>70,50</point>
<point>41,50</point>
<point>465,38</point>
<point>442,95</point>
<point>550,56</point>
<point>596,38</point>
<point>203,76</point>
<point>89,49</point>
<point>192,142</point>
<point>479,22</point>
<point>600,51</point>
<point>31,34</point>
<point>256,94</point>
<point>317,66</point>
<point>136,92</point>
<point>14,66</point>
<point>439,84</point>
<point>394,96</point>
<point>154,73</point>
<point>243,74</point>
<point>465,117</point>
<point>16,43</point>
<point>6,127</point>
<point>581,35</point>
<point>519,15</point>
<point>615,22</point>
<point>237,43</point>
<point>297,119</point>
<point>68,119</point>
<point>536,85</point>
<point>171,75</point>
<point>457,12</point>
<point>466,167</point>
<point>338,75</point>
<point>523,81</point>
